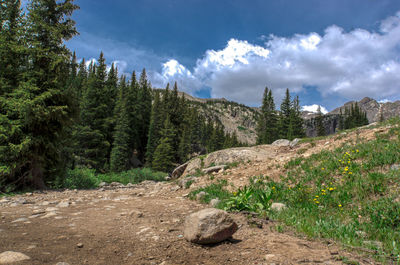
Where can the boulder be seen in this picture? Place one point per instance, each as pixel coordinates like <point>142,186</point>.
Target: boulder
<point>213,169</point>
<point>395,167</point>
<point>294,143</point>
<point>209,226</point>
<point>179,171</point>
<point>8,257</point>
<point>281,142</point>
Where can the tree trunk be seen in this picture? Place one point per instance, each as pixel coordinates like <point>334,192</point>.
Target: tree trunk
<point>37,176</point>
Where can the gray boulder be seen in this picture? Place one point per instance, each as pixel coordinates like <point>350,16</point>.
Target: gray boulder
<point>281,142</point>
<point>213,169</point>
<point>8,257</point>
<point>179,171</point>
<point>209,226</point>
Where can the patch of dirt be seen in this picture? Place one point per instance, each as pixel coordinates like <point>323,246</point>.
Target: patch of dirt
<point>143,224</point>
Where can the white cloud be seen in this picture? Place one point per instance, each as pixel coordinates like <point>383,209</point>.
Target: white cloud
<point>314,108</point>
<point>349,65</point>
<point>384,101</point>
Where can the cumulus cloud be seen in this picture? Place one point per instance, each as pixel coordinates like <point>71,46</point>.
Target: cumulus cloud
<point>314,108</point>
<point>349,65</point>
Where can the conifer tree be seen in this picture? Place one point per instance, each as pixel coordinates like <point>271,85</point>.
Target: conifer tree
<point>143,123</point>
<point>94,143</point>
<point>319,123</point>
<point>121,151</point>
<point>156,124</point>
<point>163,159</point>
<point>297,120</point>
<point>267,123</point>
<point>44,106</point>
<point>284,124</point>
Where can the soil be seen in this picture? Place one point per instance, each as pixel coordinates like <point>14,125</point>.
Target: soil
<point>143,224</point>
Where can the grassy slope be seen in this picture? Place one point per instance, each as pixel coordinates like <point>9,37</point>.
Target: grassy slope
<point>351,195</point>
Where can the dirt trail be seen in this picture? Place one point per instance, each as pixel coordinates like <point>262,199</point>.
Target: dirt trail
<point>143,224</point>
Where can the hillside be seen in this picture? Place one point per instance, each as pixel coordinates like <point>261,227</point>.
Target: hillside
<point>354,223</point>
<point>236,118</point>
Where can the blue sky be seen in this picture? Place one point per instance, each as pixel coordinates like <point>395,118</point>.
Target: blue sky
<point>326,51</point>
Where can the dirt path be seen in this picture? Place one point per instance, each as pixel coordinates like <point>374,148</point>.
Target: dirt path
<point>142,224</point>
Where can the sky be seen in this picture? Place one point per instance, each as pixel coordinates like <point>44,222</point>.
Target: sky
<point>327,52</point>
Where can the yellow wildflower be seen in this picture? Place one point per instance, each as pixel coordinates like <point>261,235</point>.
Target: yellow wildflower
<point>340,205</point>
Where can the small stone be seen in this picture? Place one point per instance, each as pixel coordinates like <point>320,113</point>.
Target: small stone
<point>29,194</point>
<point>277,206</point>
<point>376,244</point>
<point>62,263</point>
<point>175,188</point>
<point>200,195</point>
<point>11,257</point>
<point>395,167</point>
<point>49,214</point>
<point>51,209</point>
<point>39,211</point>
<point>23,219</point>
<point>361,233</point>
<point>45,203</point>
<point>63,204</point>
<point>294,142</point>
<point>79,245</point>
<point>269,256</point>
<point>214,202</point>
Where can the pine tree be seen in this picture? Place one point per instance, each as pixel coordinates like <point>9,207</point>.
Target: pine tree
<point>319,123</point>
<point>163,158</point>
<point>143,123</point>
<point>267,123</point>
<point>298,122</point>
<point>94,142</point>
<point>285,120</point>
<point>44,106</point>
<point>121,151</point>
<point>156,124</point>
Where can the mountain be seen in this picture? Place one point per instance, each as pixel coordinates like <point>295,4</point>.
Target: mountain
<point>236,118</point>
<point>375,112</point>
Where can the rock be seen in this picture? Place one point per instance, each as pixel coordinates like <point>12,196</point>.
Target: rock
<point>116,184</point>
<point>103,184</point>
<point>214,169</point>
<point>281,142</point>
<point>79,245</point>
<point>167,178</point>
<point>175,188</point>
<point>277,206</point>
<point>51,209</point>
<point>62,263</point>
<point>130,185</point>
<point>214,202</point>
<point>8,257</point>
<point>45,203</point>
<point>186,182</point>
<point>294,143</point>
<point>136,213</point>
<point>395,167</point>
<point>5,200</point>
<point>179,171</point>
<point>200,195</point>
<point>361,233</point>
<point>20,220</point>
<point>376,244</point>
<point>209,226</point>
<point>63,204</point>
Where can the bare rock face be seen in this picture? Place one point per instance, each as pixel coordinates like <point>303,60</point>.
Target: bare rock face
<point>9,257</point>
<point>209,226</point>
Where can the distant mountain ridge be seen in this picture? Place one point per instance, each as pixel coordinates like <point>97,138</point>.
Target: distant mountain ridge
<point>242,119</point>
<point>375,112</point>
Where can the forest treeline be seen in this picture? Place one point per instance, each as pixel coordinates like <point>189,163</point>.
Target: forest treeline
<point>56,113</point>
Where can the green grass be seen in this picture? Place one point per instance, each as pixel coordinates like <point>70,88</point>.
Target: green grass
<point>84,178</point>
<point>241,128</point>
<point>349,195</point>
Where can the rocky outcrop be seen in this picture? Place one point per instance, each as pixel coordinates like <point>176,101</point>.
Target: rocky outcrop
<point>209,226</point>
<point>375,112</point>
